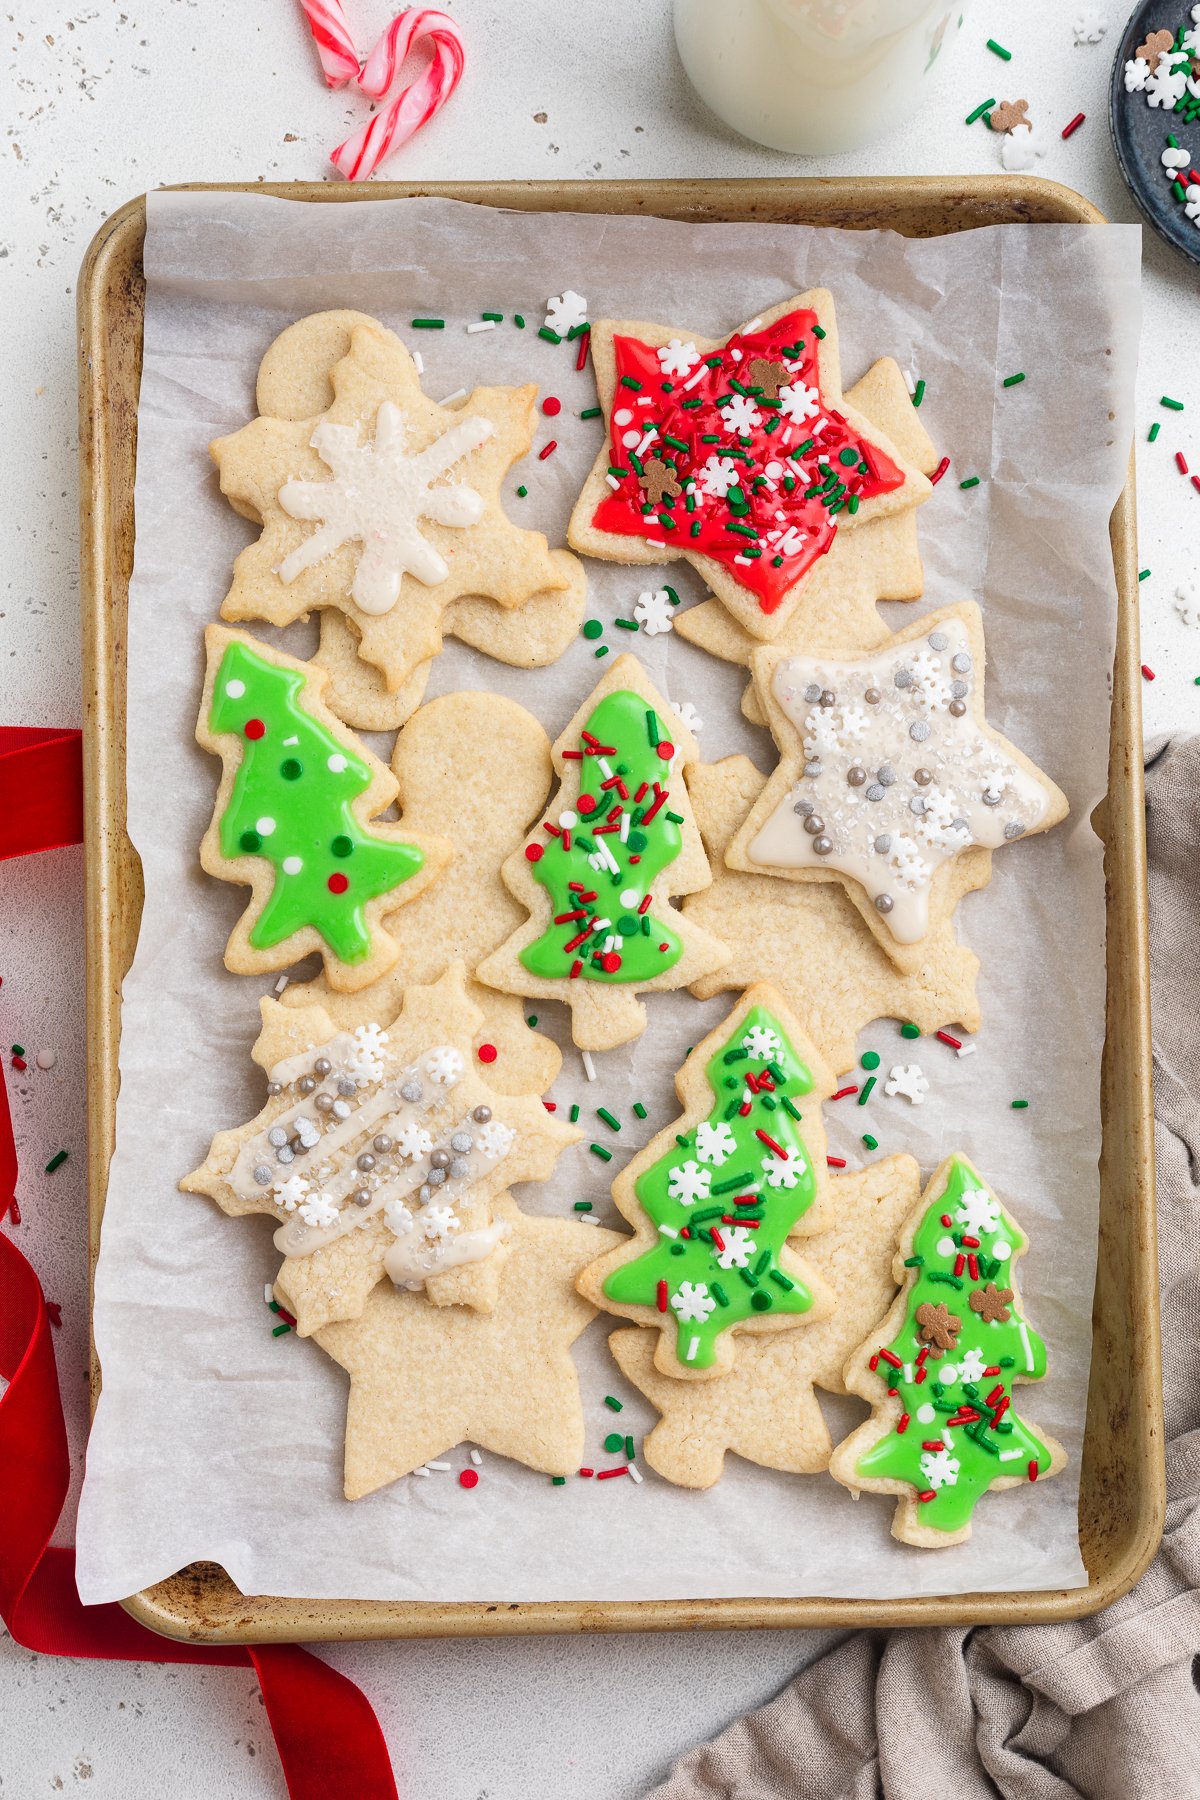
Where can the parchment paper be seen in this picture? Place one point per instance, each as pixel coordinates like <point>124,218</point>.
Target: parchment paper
<point>214,1439</point>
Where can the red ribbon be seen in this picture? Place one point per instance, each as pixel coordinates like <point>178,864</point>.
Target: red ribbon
<point>327,1736</point>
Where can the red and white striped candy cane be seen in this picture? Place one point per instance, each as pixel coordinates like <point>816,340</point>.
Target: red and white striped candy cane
<point>331,35</point>
<point>415,105</point>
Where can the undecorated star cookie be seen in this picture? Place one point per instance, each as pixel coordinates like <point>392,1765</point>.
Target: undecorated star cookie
<point>596,877</point>
<point>810,941</point>
<point>423,1381</point>
<point>880,561</point>
<point>477,767</point>
<point>381,1151</point>
<point>382,504</point>
<point>740,455</point>
<point>888,773</point>
<point>295,820</point>
<point>714,1197</point>
<point>941,1369</point>
<point>764,1409</point>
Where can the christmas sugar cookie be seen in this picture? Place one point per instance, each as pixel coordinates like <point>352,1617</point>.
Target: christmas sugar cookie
<point>740,455</point>
<point>764,1409</point>
<point>596,877</point>
<point>714,1197</point>
<point>451,778</point>
<point>423,1381</point>
<point>889,772</point>
<point>941,1370</point>
<point>810,941</point>
<point>381,1151</point>
<point>384,505</point>
<point>293,819</point>
<point>880,561</point>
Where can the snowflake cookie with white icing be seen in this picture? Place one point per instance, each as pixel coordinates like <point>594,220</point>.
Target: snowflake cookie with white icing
<point>889,772</point>
<point>380,1152</point>
<point>378,502</point>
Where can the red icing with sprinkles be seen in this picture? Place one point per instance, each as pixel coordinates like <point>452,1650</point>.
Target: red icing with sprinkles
<point>741,458</point>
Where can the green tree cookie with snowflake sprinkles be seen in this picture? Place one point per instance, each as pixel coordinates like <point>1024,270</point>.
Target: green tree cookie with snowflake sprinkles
<point>716,1196</point>
<point>291,819</point>
<point>941,1368</point>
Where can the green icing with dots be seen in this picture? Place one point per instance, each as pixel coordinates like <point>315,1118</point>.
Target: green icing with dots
<point>722,1273</point>
<point>599,870</point>
<point>292,805</point>
<point>964,1388</point>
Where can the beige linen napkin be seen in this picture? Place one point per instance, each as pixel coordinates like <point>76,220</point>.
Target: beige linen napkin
<point>1107,1707</point>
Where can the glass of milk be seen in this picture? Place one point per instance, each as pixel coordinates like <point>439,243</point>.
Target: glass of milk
<point>814,77</point>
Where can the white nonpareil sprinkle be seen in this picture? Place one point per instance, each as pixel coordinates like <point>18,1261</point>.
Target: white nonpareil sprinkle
<point>418,362</point>
<point>909,383</point>
<point>458,394</point>
<point>587,1218</point>
<point>633,1474</point>
<point>612,482</point>
<point>589,1067</point>
<point>268,1296</point>
<point>440,1466</point>
<point>45,1059</point>
<point>476,1458</point>
<point>482,325</point>
<point>424,1472</point>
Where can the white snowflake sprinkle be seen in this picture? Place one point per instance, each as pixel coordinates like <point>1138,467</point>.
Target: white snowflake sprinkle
<point>692,1302</point>
<point>1021,148</point>
<point>739,1247</point>
<point>1187,603</point>
<point>654,612</point>
<point>565,311</point>
<point>413,1141</point>
<point>719,474</point>
<point>940,1468</point>
<point>741,414</point>
<point>715,1143</point>
<point>799,403</point>
<point>973,1364</point>
<point>365,1062</point>
<point>688,1182</point>
<point>677,358</point>
<point>319,1210</point>
<point>763,1044</point>
<point>437,1222</point>
<point>1191,195</point>
<point>397,1217</point>
<point>908,1080</point>
<point>495,1138</point>
<point>977,1212</point>
<point>444,1065</point>
<point>291,1192</point>
<point>780,1174</point>
<point>689,717</point>
<point>1089,25</point>
<point>1167,84</point>
<point>1137,74</point>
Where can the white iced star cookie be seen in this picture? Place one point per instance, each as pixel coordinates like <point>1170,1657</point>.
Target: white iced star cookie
<point>379,503</point>
<point>890,772</point>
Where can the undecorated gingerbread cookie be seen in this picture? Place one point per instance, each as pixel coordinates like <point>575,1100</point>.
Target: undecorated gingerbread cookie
<point>475,766</point>
<point>810,941</point>
<point>714,1197</point>
<point>382,503</point>
<point>888,773</point>
<point>765,1409</point>
<point>381,1151</point>
<point>942,1368</point>
<point>740,455</point>
<point>295,820</point>
<point>596,877</point>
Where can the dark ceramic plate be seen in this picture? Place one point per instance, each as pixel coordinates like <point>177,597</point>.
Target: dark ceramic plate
<point>1139,132</point>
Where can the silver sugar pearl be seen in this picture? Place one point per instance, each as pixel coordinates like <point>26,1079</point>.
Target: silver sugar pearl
<point>804,807</point>
<point>959,690</point>
<point>436,1177</point>
<point>347,1086</point>
<point>828,697</point>
<point>856,776</point>
<point>274,1087</point>
<point>462,1141</point>
<point>322,1066</point>
<point>884,903</point>
<point>458,1168</point>
<point>812,692</point>
<point>361,1196</point>
<point>922,777</point>
<point>961,663</point>
<point>306,1084</point>
<point>957,708</point>
<point>262,1174</point>
<point>297,1148</point>
<point>872,696</point>
<point>876,791</point>
<point>918,731</point>
<point>366,1162</point>
<point>342,1109</point>
<point>482,1114</point>
<point>411,1091</point>
<point>916,805</point>
<point>277,1136</point>
<point>440,1159</point>
<point>938,640</point>
<point>990,799</point>
<point>960,825</point>
<point>813,768</point>
<point>883,842</point>
<point>324,1103</point>
<point>814,824</point>
<point>425,1194</point>
<point>885,774</point>
<point>903,678</point>
<point>822,846</point>
<point>1014,829</point>
<point>383,1143</point>
<point>284,1153</point>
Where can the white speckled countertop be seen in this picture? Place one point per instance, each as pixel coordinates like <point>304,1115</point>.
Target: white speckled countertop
<point>104,102</point>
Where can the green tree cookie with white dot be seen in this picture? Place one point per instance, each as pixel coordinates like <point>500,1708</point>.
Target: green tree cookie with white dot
<point>292,820</point>
<point>940,1370</point>
<point>715,1197</point>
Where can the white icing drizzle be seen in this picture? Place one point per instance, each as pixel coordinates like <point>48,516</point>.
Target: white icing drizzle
<point>378,496</point>
<point>898,784</point>
<point>310,1153</point>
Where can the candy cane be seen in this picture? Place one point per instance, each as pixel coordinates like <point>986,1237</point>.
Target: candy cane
<point>331,35</point>
<point>413,106</point>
